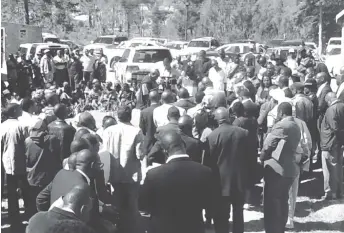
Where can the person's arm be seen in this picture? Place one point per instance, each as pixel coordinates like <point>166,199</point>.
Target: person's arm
<point>143,124</point>
<point>146,194</point>
<point>322,105</point>
<point>43,199</point>
<point>271,142</point>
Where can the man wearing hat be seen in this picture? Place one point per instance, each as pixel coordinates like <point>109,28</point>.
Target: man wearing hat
<point>47,67</point>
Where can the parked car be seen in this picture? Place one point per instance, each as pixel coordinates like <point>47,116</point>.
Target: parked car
<point>50,38</point>
<point>71,44</point>
<point>204,43</point>
<point>105,42</point>
<point>34,48</point>
<point>333,42</point>
<point>176,47</point>
<point>334,60</point>
<point>137,62</point>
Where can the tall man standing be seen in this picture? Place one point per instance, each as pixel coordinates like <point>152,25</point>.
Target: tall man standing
<point>279,156</point>
<point>332,140</point>
<point>227,146</point>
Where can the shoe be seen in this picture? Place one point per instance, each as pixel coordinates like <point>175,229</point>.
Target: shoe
<point>290,224</point>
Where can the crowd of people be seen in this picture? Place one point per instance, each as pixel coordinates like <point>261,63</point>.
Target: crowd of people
<point>193,135</point>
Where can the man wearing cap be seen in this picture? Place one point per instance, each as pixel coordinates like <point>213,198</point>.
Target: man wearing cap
<point>47,67</point>
<point>302,106</point>
<point>87,62</point>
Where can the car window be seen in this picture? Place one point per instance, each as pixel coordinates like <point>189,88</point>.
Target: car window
<point>120,39</point>
<point>104,40</point>
<point>151,56</point>
<point>52,40</point>
<point>335,42</point>
<point>23,50</point>
<point>125,56</point>
<point>53,50</point>
<point>335,51</point>
<point>215,43</point>
<point>202,44</point>
<point>233,49</point>
<point>33,50</point>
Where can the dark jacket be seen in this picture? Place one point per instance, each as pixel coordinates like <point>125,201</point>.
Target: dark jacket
<point>332,127</point>
<point>228,158</point>
<point>193,148</point>
<point>148,128</point>
<point>175,195</point>
<point>322,106</point>
<point>186,104</point>
<point>251,108</point>
<point>287,130</point>
<point>42,221</point>
<point>201,68</point>
<point>65,133</point>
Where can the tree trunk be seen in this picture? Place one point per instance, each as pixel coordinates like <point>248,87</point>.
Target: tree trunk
<point>26,7</point>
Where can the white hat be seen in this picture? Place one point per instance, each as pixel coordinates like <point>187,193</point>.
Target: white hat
<point>277,94</point>
<point>47,51</point>
<point>291,50</point>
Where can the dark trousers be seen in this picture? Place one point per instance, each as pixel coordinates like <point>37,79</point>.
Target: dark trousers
<point>87,76</point>
<point>13,183</point>
<point>61,76</point>
<point>221,217</point>
<point>276,194</point>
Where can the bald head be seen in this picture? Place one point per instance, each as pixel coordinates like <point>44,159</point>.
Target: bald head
<point>322,77</point>
<point>60,111</point>
<point>221,115</point>
<point>172,142</point>
<point>154,97</point>
<point>185,124</point>
<point>78,145</point>
<point>183,93</point>
<point>78,197</point>
<point>330,97</point>
<point>173,114</point>
<point>109,122</point>
<point>80,133</point>
<point>167,97</point>
<point>87,120</point>
<point>13,110</point>
<point>84,159</point>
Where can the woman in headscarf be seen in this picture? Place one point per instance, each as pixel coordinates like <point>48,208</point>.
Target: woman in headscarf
<point>43,161</point>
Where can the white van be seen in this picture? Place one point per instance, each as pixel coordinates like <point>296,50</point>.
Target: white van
<point>34,48</point>
<point>333,42</point>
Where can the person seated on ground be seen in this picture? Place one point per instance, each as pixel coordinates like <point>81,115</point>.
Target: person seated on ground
<point>75,207</point>
<point>127,96</point>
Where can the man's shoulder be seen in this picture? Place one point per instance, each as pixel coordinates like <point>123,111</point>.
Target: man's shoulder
<point>149,109</point>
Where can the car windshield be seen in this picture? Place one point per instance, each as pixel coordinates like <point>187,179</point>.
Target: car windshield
<point>233,49</point>
<point>335,51</point>
<point>52,40</point>
<point>104,40</point>
<point>199,43</point>
<point>151,56</point>
<point>335,42</point>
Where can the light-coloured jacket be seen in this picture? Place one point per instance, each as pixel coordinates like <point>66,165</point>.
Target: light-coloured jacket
<point>13,135</point>
<point>305,144</point>
<point>44,65</point>
<point>123,142</point>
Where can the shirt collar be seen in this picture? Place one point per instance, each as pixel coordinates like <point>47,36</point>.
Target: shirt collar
<point>246,100</point>
<point>176,157</point>
<point>84,175</point>
<point>320,89</point>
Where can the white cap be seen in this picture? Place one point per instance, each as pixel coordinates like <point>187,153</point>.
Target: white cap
<point>46,51</point>
<point>277,94</point>
<point>291,50</point>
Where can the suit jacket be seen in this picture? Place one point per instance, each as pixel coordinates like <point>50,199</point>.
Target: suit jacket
<point>184,103</point>
<point>341,95</point>
<point>194,148</point>
<point>63,182</point>
<point>251,108</point>
<point>175,195</point>
<point>322,105</point>
<point>65,133</point>
<point>148,128</point>
<point>42,221</point>
<point>287,130</point>
<point>228,158</point>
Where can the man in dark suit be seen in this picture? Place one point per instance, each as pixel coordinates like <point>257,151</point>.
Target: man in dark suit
<point>280,168</point>
<point>63,131</point>
<point>251,109</point>
<point>228,160</point>
<point>75,206</point>
<point>147,123</point>
<point>176,193</point>
<point>184,101</point>
<point>156,154</point>
<point>193,146</point>
<point>202,66</point>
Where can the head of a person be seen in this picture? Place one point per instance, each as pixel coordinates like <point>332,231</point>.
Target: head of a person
<point>108,121</point>
<point>297,88</point>
<point>154,74</point>
<point>172,143</point>
<point>310,72</point>
<point>250,71</point>
<point>124,114</point>
<point>28,105</point>
<point>183,93</point>
<point>93,142</point>
<point>310,86</point>
<point>78,145</point>
<point>154,97</point>
<point>207,82</point>
<point>322,78</point>
<point>244,93</point>
<point>173,114</point>
<point>87,52</point>
<point>222,53</point>
<point>340,79</point>
<point>52,99</point>
<point>330,98</point>
<point>270,69</point>
<point>266,81</point>
<point>199,97</point>
<point>59,53</point>
<point>284,110</point>
<point>47,53</point>
<point>201,86</point>
<point>126,87</point>
<point>202,55</point>
<point>13,110</point>
<point>214,63</point>
<point>262,61</point>
<point>185,124</point>
<point>221,115</point>
<point>60,111</point>
<point>238,109</point>
<point>167,97</point>
<point>87,120</point>
<point>78,134</point>
<point>86,162</point>
<point>283,82</point>
<point>71,161</point>
<point>79,200</point>
<point>167,63</point>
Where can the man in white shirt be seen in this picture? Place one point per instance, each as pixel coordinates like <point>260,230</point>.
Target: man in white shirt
<point>160,113</point>
<point>61,73</point>
<point>217,76</point>
<point>87,62</point>
<point>27,119</point>
<point>47,67</point>
<point>198,99</point>
<point>291,61</point>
